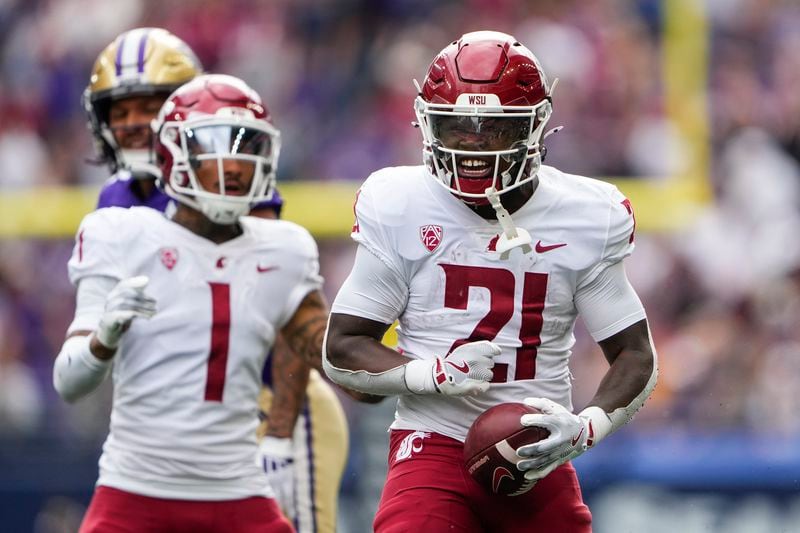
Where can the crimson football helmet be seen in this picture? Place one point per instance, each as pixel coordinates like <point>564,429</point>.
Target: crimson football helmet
<point>482,109</point>
<point>216,118</point>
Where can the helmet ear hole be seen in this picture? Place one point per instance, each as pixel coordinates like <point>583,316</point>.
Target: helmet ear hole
<point>543,111</point>
<point>182,179</point>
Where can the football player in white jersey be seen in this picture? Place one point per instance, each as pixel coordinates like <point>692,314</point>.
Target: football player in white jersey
<point>304,454</point>
<point>486,257</point>
<point>182,311</point>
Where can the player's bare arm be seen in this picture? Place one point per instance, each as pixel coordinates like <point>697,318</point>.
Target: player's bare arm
<point>290,379</point>
<point>354,343</point>
<point>305,331</point>
<point>357,341</point>
<point>630,356</point>
<point>310,333</point>
<point>370,367</point>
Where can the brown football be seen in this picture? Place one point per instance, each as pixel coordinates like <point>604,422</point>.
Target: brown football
<point>491,444</point>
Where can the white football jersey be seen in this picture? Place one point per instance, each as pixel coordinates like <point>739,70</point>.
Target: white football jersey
<point>459,289</point>
<point>186,382</point>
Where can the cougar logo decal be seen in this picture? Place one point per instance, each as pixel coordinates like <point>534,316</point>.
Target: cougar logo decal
<point>410,445</point>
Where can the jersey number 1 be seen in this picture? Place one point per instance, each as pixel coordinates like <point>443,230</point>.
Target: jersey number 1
<point>220,338</point>
<point>500,284</point>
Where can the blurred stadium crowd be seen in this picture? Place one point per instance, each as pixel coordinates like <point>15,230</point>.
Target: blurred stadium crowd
<point>723,294</point>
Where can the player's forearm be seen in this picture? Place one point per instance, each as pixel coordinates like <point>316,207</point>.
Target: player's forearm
<point>630,378</point>
<point>368,368</point>
<point>361,352</point>
<point>100,350</point>
<point>627,378</point>
<point>305,332</point>
<point>355,358</point>
<point>357,395</point>
<point>290,379</point>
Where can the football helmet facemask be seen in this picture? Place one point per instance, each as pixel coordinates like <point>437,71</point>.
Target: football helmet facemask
<point>217,120</point>
<point>482,109</point>
<point>139,62</point>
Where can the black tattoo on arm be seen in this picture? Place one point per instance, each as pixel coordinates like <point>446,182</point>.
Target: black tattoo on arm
<point>306,330</point>
<point>289,382</point>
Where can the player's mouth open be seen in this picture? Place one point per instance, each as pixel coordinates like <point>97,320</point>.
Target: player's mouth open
<point>473,167</point>
<point>234,188</point>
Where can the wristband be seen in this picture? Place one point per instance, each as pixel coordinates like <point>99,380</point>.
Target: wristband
<point>598,424</point>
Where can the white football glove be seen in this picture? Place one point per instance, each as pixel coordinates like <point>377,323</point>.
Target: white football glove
<point>126,301</point>
<point>569,437</point>
<point>466,370</point>
<point>276,457</point>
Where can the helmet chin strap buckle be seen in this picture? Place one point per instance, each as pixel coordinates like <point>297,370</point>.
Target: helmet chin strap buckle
<point>512,236</point>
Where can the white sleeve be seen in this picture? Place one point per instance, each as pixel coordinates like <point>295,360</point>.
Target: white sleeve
<point>90,302</point>
<point>309,278</point>
<point>371,230</point>
<point>76,371</point>
<point>609,304</point>
<point>619,236</point>
<point>373,290</point>
<point>98,247</point>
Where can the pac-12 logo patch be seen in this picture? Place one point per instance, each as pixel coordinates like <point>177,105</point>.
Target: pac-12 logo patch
<point>169,257</point>
<point>431,236</point>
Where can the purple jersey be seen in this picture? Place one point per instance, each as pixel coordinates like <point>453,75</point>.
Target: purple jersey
<point>118,191</point>
<point>276,203</point>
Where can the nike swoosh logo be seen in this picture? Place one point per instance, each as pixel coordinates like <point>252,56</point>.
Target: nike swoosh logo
<point>541,248</point>
<point>578,437</point>
<point>499,474</point>
<point>590,438</point>
<point>463,367</point>
<point>261,269</point>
